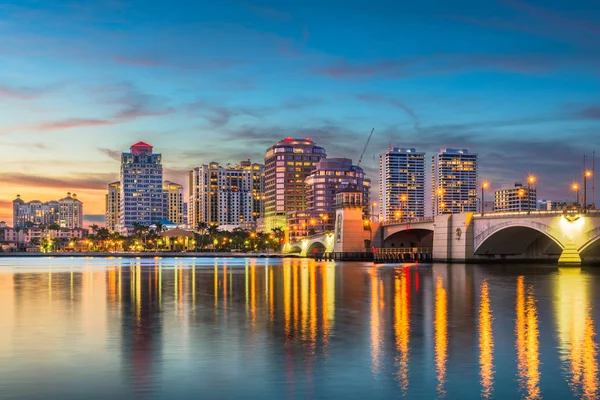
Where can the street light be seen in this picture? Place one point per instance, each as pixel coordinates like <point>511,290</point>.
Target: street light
<point>586,174</point>
<point>484,186</point>
<point>521,194</point>
<point>403,199</point>
<point>530,181</point>
<point>575,187</point>
<point>397,214</point>
<point>439,192</point>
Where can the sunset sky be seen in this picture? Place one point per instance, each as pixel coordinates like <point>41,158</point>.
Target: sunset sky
<point>202,81</point>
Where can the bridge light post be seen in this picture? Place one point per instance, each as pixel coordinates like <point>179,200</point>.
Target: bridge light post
<point>530,181</point>
<point>586,174</point>
<point>484,186</point>
<point>521,193</point>
<point>575,187</point>
<point>404,199</point>
<point>397,214</point>
<point>439,193</point>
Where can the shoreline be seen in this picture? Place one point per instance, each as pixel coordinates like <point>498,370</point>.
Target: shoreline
<point>18,254</point>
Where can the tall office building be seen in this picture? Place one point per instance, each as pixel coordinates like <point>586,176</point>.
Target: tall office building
<point>112,202</point>
<point>141,187</point>
<point>173,193</point>
<point>454,181</point>
<point>70,212</point>
<point>287,164</point>
<point>402,184</point>
<point>515,198</point>
<point>330,176</point>
<point>229,195</point>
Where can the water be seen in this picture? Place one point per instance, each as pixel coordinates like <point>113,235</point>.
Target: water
<point>273,329</point>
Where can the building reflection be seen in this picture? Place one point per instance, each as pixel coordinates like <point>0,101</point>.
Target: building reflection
<point>402,324</point>
<point>486,342</point>
<point>441,334</point>
<point>576,332</point>
<point>527,341</point>
<point>375,323</point>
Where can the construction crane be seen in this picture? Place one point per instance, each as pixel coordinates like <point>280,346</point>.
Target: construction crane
<point>365,148</point>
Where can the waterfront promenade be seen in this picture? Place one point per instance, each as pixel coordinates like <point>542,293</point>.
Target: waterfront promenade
<point>145,254</point>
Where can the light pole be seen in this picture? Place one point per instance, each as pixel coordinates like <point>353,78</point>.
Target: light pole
<point>484,186</point>
<point>586,174</point>
<point>530,181</point>
<point>439,192</point>
<point>403,199</point>
<point>521,194</point>
<point>576,189</point>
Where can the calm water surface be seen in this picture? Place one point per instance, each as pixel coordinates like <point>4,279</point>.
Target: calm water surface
<point>272,329</point>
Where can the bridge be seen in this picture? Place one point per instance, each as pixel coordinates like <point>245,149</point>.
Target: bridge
<point>566,237</point>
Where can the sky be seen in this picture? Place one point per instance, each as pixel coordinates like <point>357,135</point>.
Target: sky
<point>516,82</point>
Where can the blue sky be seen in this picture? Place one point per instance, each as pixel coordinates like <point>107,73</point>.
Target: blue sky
<point>517,82</point>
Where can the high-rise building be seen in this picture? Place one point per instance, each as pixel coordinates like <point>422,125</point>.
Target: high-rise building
<point>229,195</point>
<point>322,185</point>
<point>173,193</point>
<point>402,184</point>
<point>70,213</point>
<point>287,164</point>
<point>454,181</point>
<point>141,187</point>
<point>66,212</point>
<point>515,198</point>
<point>112,202</point>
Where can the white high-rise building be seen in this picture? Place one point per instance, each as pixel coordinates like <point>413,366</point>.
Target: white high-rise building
<point>113,201</point>
<point>515,198</point>
<point>225,195</point>
<point>142,198</point>
<point>402,189</point>
<point>70,212</point>
<point>66,212</point>
<point>174,202</point>
<point>454,181</point>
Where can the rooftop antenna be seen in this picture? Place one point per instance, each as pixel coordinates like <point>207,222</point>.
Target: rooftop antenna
<point>594,178</point>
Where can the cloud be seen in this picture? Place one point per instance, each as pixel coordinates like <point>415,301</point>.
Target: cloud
<point>25,93</point>
<point>71,123</point>
<point>114,154</point>
<point>90,181</point>
<point>268,13</point>
<point>421,66</point>
<point>94,217</point>
<point>590,113</point>
<point>168,62</point>
<point>382,99</point>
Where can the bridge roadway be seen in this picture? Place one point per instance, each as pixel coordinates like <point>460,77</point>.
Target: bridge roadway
<point>568,238</point>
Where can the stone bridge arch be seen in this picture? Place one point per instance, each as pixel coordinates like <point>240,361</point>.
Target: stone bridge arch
<point>591,245</point>
<point>412,237</point>
<point>520,238</point>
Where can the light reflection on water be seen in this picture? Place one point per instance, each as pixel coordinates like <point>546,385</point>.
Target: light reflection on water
<point>236,328</point>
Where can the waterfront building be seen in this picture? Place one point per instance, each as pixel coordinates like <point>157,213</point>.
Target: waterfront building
<point>174,205</point>
<point>287,165</point>
<point>112,202</point>
<point>141,198</point>
<point>70,213</point>
<point>330,176</point>
<point>402,184</point>
<point>515,198</point>
<point>225,196</point>
<point>454,181</point>
<point>66,212</point>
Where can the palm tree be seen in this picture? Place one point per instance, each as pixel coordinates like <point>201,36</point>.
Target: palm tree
<point>159,227</point>
<point>201,227</point>
<point>213,232</point>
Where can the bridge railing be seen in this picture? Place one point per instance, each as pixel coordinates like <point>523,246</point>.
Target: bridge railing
<point>402,250</point>
<point>407,221</point>
<point>541,213</point>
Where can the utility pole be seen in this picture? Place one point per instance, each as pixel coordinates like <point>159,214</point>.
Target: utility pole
<point>594,178</point>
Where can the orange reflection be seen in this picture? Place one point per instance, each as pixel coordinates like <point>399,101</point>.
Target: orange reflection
<point>584,365</point>
<point>375,323</point>
<point>486,342</point>
<point>441,334</point>
<point>402,326</point>
<point>527,343</point>
<point>286,297</point>
<point>304,298</point>
<point>313,303</point>
<point>253,292</point>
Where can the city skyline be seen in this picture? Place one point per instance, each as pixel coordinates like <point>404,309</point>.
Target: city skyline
<point>75,97</point>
